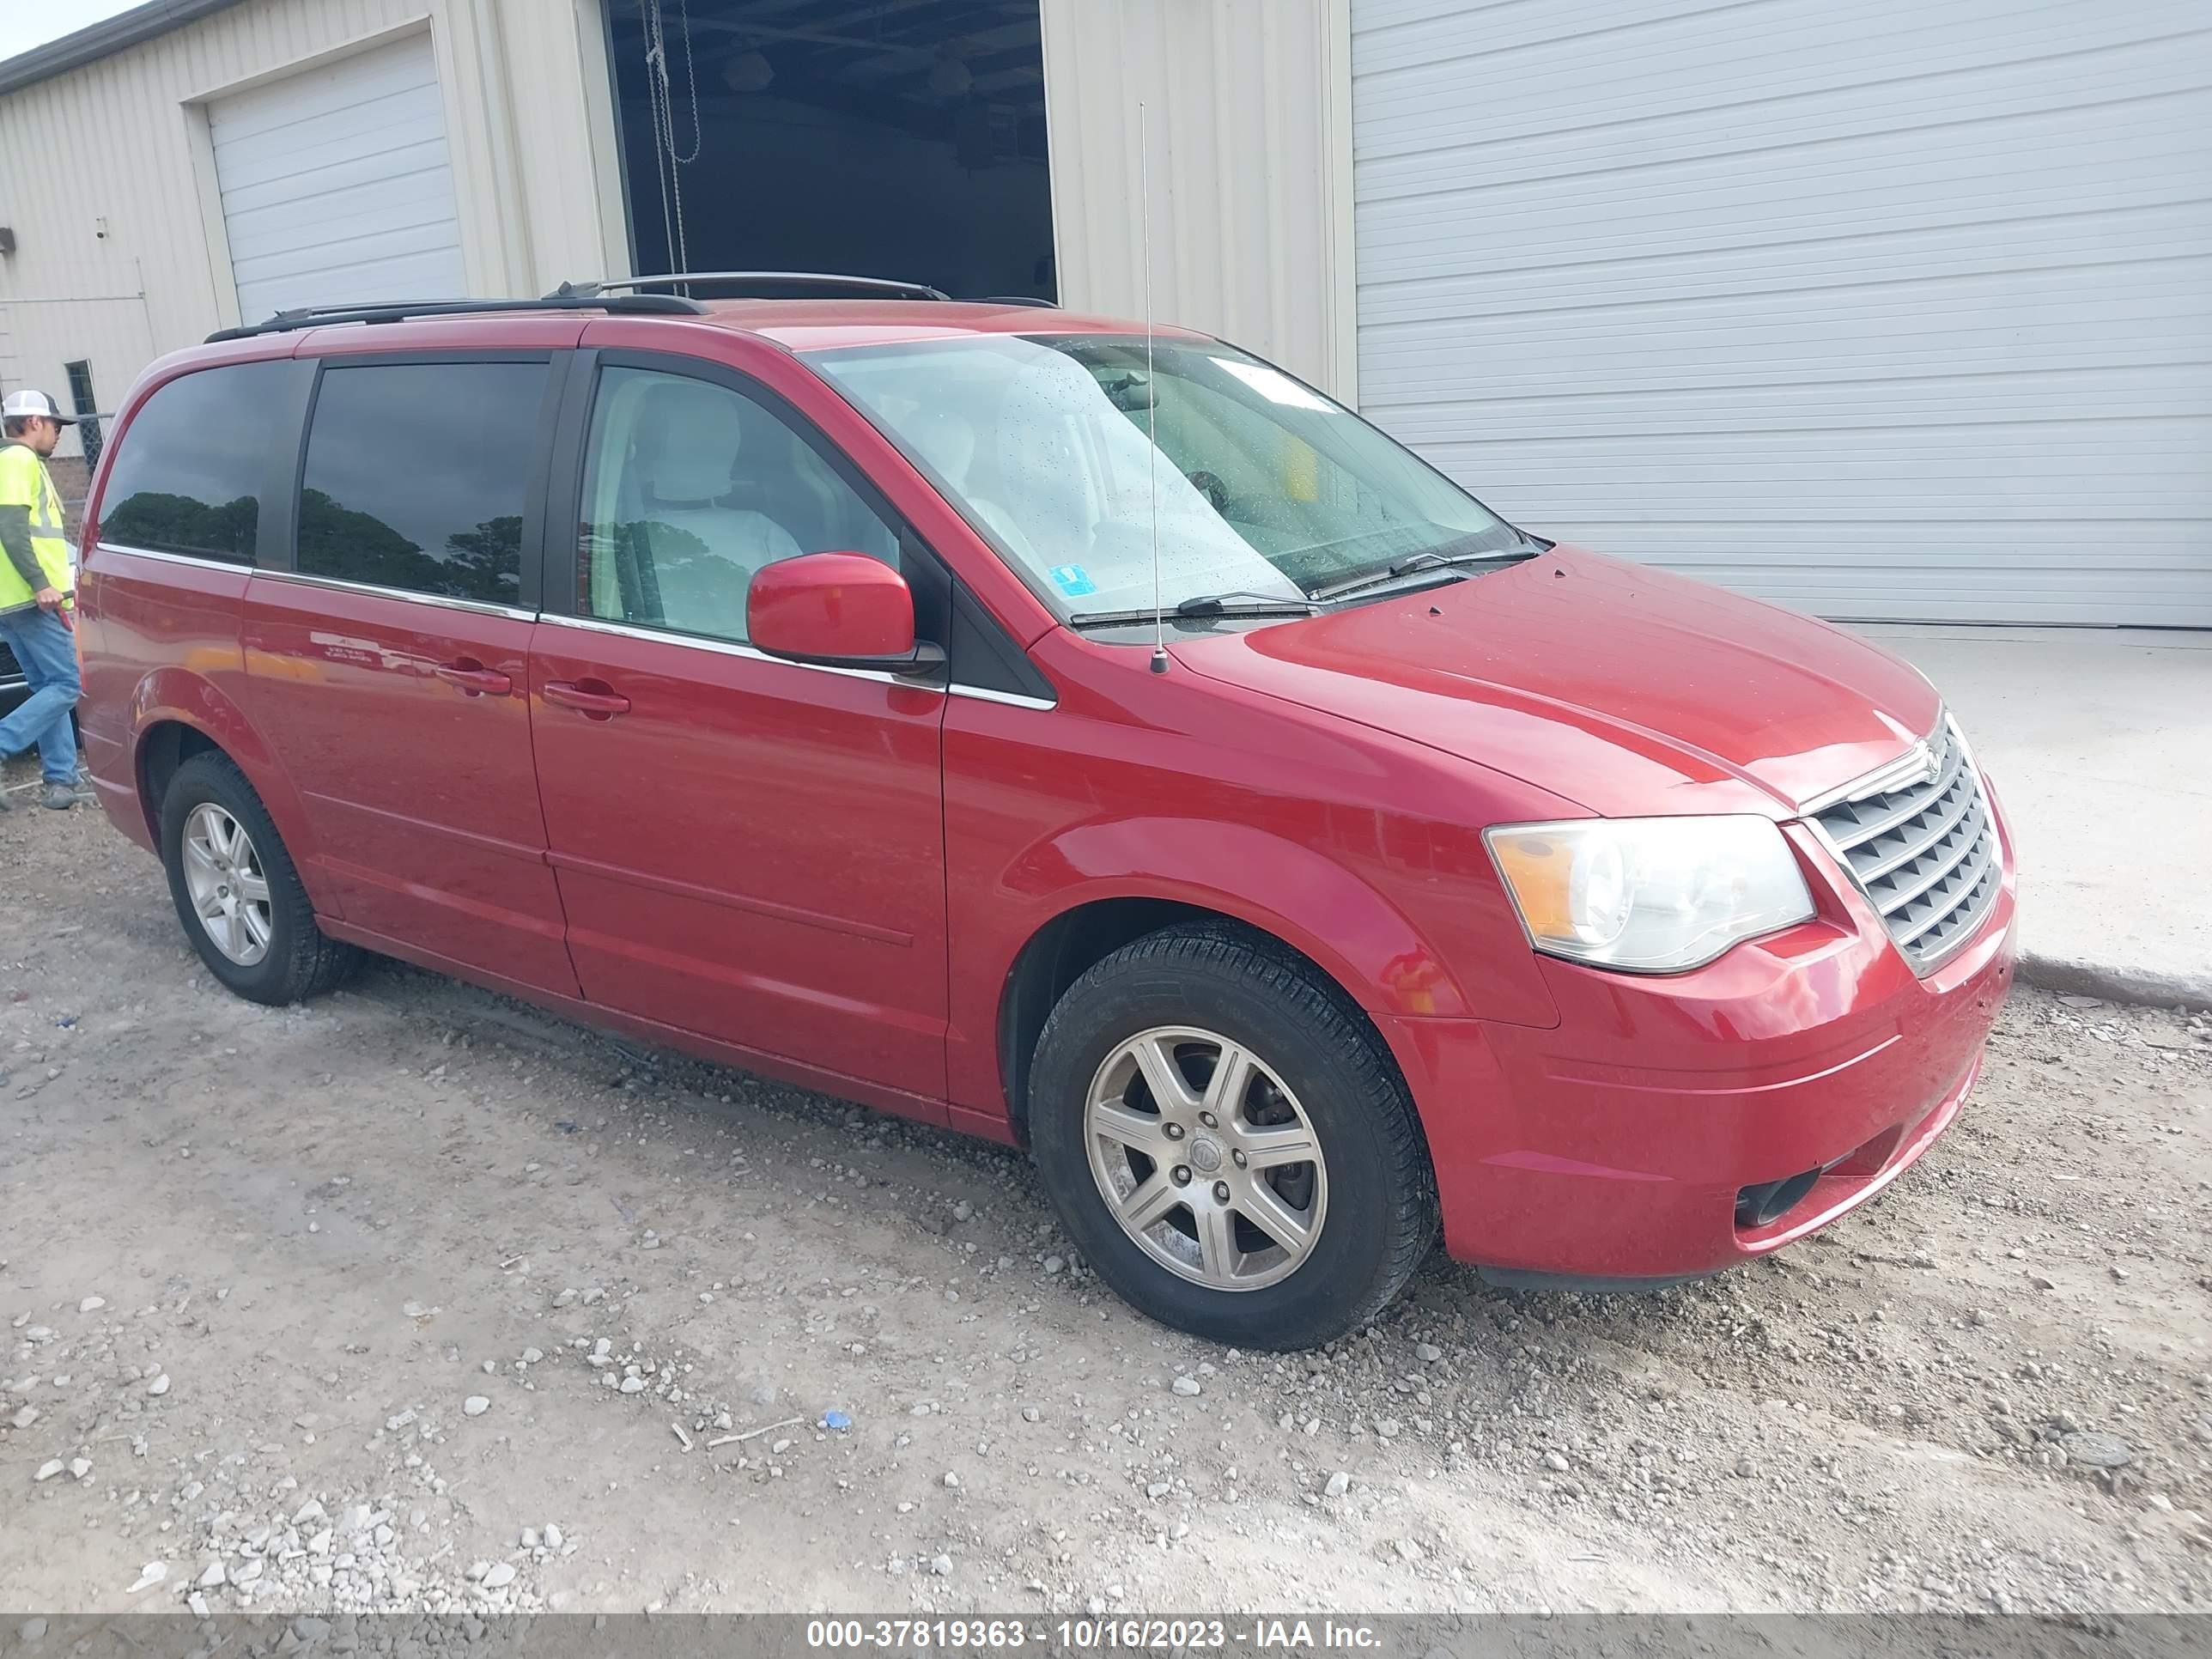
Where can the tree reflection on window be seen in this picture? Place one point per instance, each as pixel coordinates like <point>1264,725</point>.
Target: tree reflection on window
<point>484,563</point>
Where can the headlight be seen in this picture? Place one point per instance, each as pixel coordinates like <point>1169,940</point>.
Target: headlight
<point>1649,896</point>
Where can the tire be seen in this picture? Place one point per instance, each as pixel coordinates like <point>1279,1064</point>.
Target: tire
<point>1366,1207</point>
<point>293,960</point>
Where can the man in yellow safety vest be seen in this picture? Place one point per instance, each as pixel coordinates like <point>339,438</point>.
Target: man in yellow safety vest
<point>37,583</point>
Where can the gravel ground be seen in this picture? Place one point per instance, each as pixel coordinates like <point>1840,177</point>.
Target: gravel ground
<point>414,1298</point>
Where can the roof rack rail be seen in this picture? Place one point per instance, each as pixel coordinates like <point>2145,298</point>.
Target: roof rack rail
<point>759,278</point>
<point>285,322</point>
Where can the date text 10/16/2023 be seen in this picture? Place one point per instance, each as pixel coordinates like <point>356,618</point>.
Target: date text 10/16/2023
<point>1130,1634</point>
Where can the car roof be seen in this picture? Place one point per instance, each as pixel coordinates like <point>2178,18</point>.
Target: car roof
<point>796,325</point>
<point>823,325</point>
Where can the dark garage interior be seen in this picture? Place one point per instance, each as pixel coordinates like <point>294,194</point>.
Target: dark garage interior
<point>897,138</point>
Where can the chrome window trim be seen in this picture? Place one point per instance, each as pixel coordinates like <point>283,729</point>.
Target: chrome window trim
<point>1010,699</point>
<point>592,624</point>
<point>203,561</point>
<point>442,601</point>
<point>730,648</point>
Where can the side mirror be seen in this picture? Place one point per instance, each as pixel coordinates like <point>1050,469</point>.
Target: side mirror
<point>837,610</point>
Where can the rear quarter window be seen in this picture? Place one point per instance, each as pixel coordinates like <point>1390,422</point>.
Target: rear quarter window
<point>188,472</point>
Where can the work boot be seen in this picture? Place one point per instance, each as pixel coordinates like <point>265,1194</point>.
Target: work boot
<point>60,797</point>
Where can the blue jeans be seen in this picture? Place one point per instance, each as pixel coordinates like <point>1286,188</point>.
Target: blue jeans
<point>46,649</point>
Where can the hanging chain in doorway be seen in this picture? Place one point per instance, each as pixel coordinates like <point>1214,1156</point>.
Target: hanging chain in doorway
<point>668,161</point>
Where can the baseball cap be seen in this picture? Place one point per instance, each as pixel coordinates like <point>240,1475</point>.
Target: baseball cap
<point>34,402</point>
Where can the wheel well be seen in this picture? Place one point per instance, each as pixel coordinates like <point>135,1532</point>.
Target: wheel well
<point>1067,946</point>
<point>163,749</point>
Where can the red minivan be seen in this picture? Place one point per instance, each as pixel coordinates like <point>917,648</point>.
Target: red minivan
<point>1092,740</point>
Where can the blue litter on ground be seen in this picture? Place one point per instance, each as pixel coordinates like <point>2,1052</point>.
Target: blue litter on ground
<point>839,1421</point>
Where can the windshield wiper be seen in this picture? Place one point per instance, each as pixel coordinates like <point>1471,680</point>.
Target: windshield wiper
<point>1204,604</point>
<point>1417,563</point>
<point>1242,604</point>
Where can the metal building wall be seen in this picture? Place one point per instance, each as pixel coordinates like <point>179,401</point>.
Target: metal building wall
<point>1899,310</point>
<point>1250,111</point>
<point>110,184</point>
<point>1249,104</point>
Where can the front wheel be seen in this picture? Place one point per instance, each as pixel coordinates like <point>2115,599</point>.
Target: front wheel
<point>237,892</point>
<point>1230,1143</point>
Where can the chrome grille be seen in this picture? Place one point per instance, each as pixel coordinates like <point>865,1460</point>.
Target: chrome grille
<point>1916,838</point>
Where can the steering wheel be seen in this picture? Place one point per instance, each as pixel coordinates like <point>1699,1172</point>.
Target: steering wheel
<point>1209,485</point>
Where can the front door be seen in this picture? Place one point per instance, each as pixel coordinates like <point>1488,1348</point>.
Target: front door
<point>388,667</point>
<point>746,848</point>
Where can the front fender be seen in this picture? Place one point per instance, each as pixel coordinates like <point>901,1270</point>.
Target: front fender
<point>1332,908</point>
<point>1301,896</point>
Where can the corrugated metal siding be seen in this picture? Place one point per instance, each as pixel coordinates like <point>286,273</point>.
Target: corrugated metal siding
<point>114,140</point>
<point>1247,101</point>
<point>1900,310</point>
<point>561,94</point>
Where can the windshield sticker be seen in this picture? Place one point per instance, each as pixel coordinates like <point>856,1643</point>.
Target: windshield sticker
<point>1072,580</point>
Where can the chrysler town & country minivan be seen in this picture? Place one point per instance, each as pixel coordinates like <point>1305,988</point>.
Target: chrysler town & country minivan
<point>1090,738</point>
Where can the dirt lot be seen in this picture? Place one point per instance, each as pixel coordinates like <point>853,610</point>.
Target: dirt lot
<point>416,1297</point>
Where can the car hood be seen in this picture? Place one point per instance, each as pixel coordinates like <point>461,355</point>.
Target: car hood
<point>1615,685</point>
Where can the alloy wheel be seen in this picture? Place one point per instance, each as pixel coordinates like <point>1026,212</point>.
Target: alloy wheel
<point>1206,1158</point>
<point>229,888</point>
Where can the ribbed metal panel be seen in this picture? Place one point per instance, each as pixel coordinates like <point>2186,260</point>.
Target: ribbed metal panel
<point>1896,310</point>
<point>1250,210</point>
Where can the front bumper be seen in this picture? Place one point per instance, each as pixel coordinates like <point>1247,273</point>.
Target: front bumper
<point>1618,1145</point>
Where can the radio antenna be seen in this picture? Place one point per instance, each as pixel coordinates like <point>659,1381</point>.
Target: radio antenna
<point>1152,387</point>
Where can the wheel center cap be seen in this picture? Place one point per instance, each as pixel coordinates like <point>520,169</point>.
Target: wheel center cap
<point>1206,1153</point>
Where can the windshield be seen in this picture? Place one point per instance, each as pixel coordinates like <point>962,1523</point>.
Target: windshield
<point>1265,489</point>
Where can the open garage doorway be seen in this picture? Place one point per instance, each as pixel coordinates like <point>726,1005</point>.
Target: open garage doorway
<point>897,138</point>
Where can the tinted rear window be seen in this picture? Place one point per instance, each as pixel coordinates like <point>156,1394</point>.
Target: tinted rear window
<point>189,474</point>
<point>416,476</point>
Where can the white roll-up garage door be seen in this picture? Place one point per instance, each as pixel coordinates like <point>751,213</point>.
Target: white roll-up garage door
<point>1898,309</point>
<point>336,184</point>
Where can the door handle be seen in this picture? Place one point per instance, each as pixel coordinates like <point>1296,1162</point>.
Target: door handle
<point>593,699</point>
<point>472,677</point>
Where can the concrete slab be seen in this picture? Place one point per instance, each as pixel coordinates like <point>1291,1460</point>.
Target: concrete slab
<point>2099,742</point>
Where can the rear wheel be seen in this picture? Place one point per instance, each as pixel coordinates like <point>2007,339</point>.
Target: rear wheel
<point>1225,1136</point>
<point>237,892</point>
